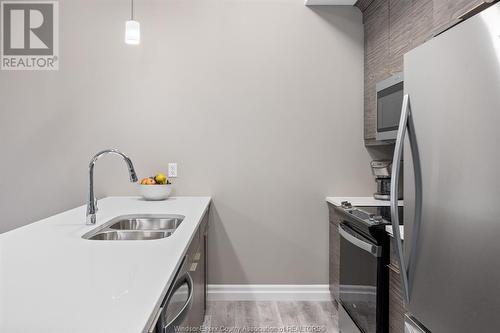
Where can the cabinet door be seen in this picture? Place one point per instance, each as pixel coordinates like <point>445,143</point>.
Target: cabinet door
<point>448,11</point>
<point>376,62</point>
<point>197,270</point>
<point>334,262</point>
<point>396,304</point>
<point>400,33</point>
<point>334,255</point>
<point>205,266</point>
<point>197,312</point>
<point>396,307</point>
<point>202,261</point>
<point>422,22</point>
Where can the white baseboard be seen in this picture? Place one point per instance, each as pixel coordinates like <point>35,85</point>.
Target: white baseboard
<point>268,292</point>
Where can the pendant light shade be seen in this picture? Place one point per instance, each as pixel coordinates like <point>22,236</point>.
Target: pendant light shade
<point>132,32</point>
<point>132,28</point>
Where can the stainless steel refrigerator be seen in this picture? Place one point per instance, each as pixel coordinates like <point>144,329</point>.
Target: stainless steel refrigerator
<point>450,137</point>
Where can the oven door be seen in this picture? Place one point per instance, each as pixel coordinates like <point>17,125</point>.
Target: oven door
<point>359,264</point>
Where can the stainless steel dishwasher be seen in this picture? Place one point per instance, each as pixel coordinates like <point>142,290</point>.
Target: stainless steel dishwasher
<point>176,306</point>
<point>183,308</point>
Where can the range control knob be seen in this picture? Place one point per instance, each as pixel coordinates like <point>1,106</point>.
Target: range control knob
<point>375,218</point>
<point>346,204</point>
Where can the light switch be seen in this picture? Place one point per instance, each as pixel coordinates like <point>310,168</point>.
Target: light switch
<point>172,170</point>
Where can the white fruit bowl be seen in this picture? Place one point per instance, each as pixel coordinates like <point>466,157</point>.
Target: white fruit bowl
<point>154,192</point>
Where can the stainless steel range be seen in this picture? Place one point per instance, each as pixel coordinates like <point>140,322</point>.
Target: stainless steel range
<point>364,256</point>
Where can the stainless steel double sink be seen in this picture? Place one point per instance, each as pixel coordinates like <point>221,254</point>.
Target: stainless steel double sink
<point>136,227</point>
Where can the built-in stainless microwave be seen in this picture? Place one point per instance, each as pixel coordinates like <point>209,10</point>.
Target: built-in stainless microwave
<point>389,102</point>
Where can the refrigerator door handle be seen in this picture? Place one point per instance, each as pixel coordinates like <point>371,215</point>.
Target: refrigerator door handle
<point>406,125</point>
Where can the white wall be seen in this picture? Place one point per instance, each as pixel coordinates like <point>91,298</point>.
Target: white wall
<point>259,102</point>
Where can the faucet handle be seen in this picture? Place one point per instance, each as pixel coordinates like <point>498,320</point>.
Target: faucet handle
<point>91,219</point>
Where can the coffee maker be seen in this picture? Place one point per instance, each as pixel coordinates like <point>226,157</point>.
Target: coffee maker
<point>381,170</point>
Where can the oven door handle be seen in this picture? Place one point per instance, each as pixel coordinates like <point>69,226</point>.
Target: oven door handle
<point>374,250</point>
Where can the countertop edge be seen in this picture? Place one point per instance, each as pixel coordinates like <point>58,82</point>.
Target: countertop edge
<point>360,201</point>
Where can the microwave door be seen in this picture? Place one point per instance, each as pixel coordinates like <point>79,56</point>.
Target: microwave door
<point>389,100</point>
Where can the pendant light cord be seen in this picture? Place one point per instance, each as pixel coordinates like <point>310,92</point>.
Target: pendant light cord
<point>132,9</point>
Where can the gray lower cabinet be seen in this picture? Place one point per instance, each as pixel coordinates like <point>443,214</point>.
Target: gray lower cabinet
<point>334,254</point>
<point>197,258</point>
<point>396,304</point>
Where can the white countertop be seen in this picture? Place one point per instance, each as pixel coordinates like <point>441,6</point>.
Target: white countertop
<point>360,201</point>
<point>388,228</point>
<point>52,280</point>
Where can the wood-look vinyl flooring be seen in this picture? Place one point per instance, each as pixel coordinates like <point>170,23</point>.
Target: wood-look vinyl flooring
<point>270,316</point>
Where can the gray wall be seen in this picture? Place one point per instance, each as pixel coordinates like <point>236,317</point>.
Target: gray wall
<point>259,102</point>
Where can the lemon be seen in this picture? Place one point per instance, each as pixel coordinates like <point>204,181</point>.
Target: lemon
<point>160,178</point>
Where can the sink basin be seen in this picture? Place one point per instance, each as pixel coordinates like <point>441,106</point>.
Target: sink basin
<point>148,223</point>
<point>130,235</point>
<point>136,227</point>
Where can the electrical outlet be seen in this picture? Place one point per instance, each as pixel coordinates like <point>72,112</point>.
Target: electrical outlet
<point>172,170</point>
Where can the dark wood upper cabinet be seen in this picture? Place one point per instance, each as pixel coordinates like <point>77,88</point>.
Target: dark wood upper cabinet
<point>392,28</point>
<point>447,12</point>
<point>376,26</point>
<point>421,25</point>
<point>400,33</point>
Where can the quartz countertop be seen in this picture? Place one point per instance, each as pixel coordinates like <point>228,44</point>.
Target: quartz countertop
<point>360,201</point>
<point>54,281</point>
<point>401,231</point>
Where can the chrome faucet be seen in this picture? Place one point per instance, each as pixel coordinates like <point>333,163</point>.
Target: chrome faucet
<point>92,201</point>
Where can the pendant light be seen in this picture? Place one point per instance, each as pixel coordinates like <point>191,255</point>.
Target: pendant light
<point>132,28</point>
